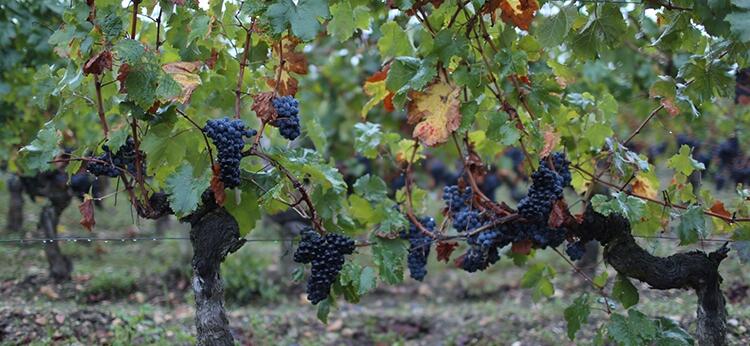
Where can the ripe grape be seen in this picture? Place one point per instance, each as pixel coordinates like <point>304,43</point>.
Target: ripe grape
<point>546,189</point>
<point>81,184</point>
<point>419,247</point>
<point>456,199</point>
<point>227,135</point>
<point>326,254</point>
<point>287,120</point>
<point>112,164</point>
<point>575,250</point>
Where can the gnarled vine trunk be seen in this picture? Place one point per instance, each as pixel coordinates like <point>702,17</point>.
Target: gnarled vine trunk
<point>687,270</point>
<point>15,204</point>
<point>214,233</point>
<point>58,198</point>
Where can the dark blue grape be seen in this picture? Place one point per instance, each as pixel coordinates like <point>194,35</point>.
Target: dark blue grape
<point>112,164</point>
<point>456,199</point>
<point>575,250</point>
<point>419,247</point>
<point>228,137</point>
<point>287,120</point>
<point>545,190</point>
<point>326,254</point>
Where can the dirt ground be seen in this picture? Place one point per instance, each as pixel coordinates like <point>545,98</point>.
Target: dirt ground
<point>125,293</point>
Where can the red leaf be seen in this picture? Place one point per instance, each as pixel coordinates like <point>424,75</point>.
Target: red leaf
<point>445,249</point>
<point>217,186</point>
<point>98,63</point>
<point>87,213</point>
<point>718,208</point>
<point>521,247</point>
<point>122,75</point>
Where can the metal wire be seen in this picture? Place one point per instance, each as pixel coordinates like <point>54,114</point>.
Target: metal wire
<point>116,240</point>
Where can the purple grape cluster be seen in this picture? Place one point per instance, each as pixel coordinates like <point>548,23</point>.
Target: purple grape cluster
<point>326,254</point>
<point>546,188</point>
<point>456,199</point>
<point>111,164</point>
<point>576,250</point>
<point>287,120</point>
<point>419,248</point>
<point>228,137</point>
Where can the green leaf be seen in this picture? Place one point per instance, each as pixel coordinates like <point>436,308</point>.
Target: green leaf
<point>345,19</point>
<point>625,292</point>
<point>708,79</point>
<point>684,162</point>
<point>552,30</point>
<point>244,209</point>
<point>503,131</point>
<point>110,24</point>
<point>367,280</point>
<point>198,27</point>
<point>448,44</point>
<point>302,17</point>
<point>44,148</point>
<point>394,41</point>
<point>577,314</point>
<point>692,225</point>
<point>372,188</point>
<point>168,87</point>
<point>367,139</point>
<point>605,28</point>
<point>129,51</point>
<point>740,24</point>
<point>389,255</point>
<point>185,189</point>
<point>634,330</point>
<point>324,308</point>
<point>538,278</point>
<point>620,203</point>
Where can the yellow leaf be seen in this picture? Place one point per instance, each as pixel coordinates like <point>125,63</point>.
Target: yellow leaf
<point>642,187</point>
<point>435,113</point>
<point>184,73</point>
<point>377,93</point>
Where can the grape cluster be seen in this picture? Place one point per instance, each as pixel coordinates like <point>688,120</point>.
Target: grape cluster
<point>81,184</point>
<point>561,166</point>
<point>227,135</point>
<point>478,258</point>
<point>456,199</point>
<point>326,254</point>
<point>419,248</point>
<point>546,188</point>
<point>111,164</point>
<point>575,250</point>
<point>287,111</point>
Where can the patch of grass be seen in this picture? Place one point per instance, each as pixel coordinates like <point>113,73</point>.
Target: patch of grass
<point>109,285</point>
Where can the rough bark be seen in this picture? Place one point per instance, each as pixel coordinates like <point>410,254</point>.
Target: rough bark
<point>15,204</point>
<point>58,198</point>
<point>695,270</point>
<point>214,233</point>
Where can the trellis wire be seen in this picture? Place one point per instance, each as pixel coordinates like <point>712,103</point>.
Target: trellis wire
<point>117,239</point>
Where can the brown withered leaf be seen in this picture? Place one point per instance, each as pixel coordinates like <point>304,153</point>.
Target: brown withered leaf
<point>211,61</point>
<point>263,106</point>
<point>122,75</point>
<point>551,139</point>
<point>98,63</point>
<point>293,62</point>
<point>87,213</point>
<point>445,249</point>
<point>217,186</point>
<point>521,247</point>
<point>519,12</point>
<point>185,74</point>
<point>719,208</point>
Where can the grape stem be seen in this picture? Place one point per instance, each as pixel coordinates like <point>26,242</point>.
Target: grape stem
<point>409,202</point>
<point>100,105</point>
<point>205,139</point>
<point>314,217</point>
<point>243,64</point>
